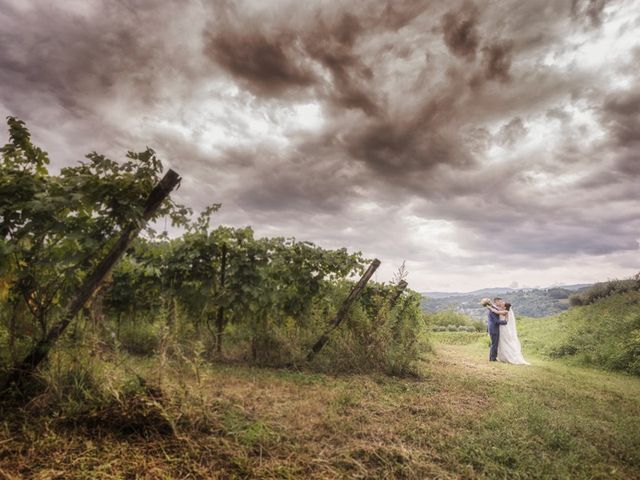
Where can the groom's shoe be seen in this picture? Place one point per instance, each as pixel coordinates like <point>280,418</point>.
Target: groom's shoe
<point>493,359</point>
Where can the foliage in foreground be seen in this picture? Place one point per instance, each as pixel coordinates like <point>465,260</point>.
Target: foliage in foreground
<point>216,293</point>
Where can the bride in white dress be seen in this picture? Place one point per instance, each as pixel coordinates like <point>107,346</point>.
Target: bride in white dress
<point>509,348</point>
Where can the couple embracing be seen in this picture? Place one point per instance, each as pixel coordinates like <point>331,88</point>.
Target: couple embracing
<point>501,324</point>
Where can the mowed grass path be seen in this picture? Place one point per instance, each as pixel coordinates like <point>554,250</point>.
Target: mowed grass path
<point>465,418</point>
<point>546,420</point>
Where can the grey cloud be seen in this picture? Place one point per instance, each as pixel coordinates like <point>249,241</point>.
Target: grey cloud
<point>588,10</point>
<point>496,58</point>
<point>558,114</point>
<point>297,55</point>
<point>511,132</point>
<point>401,139</point>
<point>264,65</point>
<point>621,112</point>
<point>460,30</point>
<point>73,57</point>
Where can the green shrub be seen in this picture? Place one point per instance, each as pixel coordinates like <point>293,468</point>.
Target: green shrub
<point>76,380</point>
<point>603,290</point>
<point>604,334</point>
<point>447,317</point>
<point>449,320</point>
<point>139,338</point>
<point>391,342</point>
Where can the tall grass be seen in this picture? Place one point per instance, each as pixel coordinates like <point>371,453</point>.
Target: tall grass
<point>604,334</point>
<point>465,418</point>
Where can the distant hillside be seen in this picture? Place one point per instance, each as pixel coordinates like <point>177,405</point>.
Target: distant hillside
<point>485,292</point>
<point>529,302</point>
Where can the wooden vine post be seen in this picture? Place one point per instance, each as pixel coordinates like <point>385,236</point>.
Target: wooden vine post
<point>390,302</point>
<point>220,317</point>
<point>40,351</point>
<point>344,309</point>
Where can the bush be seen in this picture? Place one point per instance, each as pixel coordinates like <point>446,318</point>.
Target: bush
<point>450,321</point>
<point>139,338</point>
<point>372,337</point>
<point>602,290</point>
<point>75,380</point>
<point>447,317</point>
<point>605,334</point>
<point>480,325</point>
<point>392,342</point>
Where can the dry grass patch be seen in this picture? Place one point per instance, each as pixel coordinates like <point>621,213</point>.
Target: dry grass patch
<point>465,418</point>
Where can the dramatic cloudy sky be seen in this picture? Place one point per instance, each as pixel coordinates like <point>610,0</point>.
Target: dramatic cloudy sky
<point>486,142</point>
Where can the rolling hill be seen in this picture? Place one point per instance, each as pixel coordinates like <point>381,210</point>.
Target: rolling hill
<point>529,302</point>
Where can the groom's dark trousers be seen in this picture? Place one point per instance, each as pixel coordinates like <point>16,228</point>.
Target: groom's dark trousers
<point>493,327</point>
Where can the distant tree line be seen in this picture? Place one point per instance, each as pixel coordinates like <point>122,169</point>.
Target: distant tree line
<point>605,289</point>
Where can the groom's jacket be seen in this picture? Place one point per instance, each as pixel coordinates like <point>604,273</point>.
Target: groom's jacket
<point>494,322</point>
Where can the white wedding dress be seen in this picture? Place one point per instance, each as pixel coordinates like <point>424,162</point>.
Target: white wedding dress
<point>509,349</point>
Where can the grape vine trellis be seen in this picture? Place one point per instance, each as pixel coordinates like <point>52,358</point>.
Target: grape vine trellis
<point>61,235</point>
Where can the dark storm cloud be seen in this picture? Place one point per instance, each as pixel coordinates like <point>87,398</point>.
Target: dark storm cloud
<point>476,126</point>
<point>276,61</point>
<point>73,57</point>
<point>68,69</point>
<point>351,78</point>
<point>460,30</point>
<point>399,147</point>
<point>420,149</point>
<point>621,113</point>
<point>267,66</point>
<point>496,58</point>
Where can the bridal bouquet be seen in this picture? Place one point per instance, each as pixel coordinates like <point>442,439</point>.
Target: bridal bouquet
<point>485,302</point>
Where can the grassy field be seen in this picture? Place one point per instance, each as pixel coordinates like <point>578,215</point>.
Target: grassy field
<point>464,418</point>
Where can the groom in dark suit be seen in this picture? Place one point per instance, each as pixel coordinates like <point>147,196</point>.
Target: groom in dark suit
<point>493,326</point>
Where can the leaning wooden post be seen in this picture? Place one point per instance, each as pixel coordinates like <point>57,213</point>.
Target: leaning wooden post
<point>390,302</point>
<point>220,318</point>
<point>344,309</point>
<point>40,351</point>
